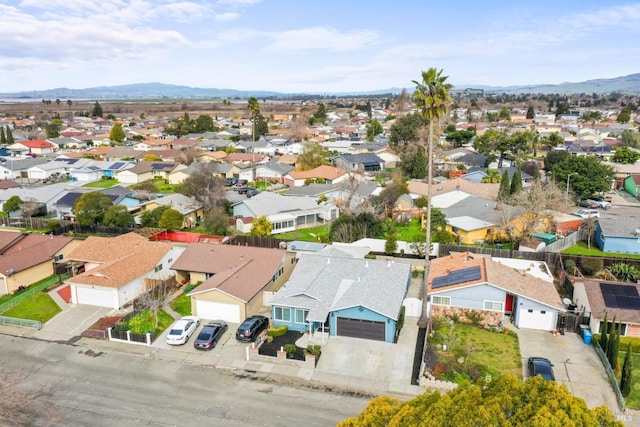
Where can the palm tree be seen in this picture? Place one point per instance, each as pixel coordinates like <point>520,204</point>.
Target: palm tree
<point>432,98</point>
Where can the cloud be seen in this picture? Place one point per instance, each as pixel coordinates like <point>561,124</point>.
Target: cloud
<point>322,38</point>
<point>226,17</point>
<point>238,2</point>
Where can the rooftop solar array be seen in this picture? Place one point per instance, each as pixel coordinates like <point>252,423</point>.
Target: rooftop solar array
<point>457,276</point>
<point>620,296</point>
<point>116,165</point>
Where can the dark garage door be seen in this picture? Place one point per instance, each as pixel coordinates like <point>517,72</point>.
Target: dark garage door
<point>358,328</point>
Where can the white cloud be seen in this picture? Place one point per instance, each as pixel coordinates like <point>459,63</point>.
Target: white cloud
<point>322,38</point>
<point>226,17</point>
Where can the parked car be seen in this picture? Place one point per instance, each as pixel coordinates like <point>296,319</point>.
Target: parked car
<point>586,203</point>
<point>601,203</point>
<point>541,366</point>
<point>243,190</point>
<point>182,329</point>
<point>252,326</point>
<point>252,192</point>
<point>210,335</point>
<point>588,213</point>
<point>241,183</point>
<point>232,181</point>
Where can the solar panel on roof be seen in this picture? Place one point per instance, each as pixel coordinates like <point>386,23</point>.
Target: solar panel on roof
<point>116,165</point>
<point>457,276</point>
<point>620,296</point>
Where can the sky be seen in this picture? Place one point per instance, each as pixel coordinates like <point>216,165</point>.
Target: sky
<point>313,46</point>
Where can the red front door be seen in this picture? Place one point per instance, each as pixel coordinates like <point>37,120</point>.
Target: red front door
<point>508,304</point>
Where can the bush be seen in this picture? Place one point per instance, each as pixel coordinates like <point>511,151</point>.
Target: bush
<point>52,225</point>
<point>290,349</point>
<point>190,286</point>
<point>590,266</point>
<point>400,322</point>
<point>313,349</point>
<point>277,332</point>
<point>570,266</point>
<point>475,317</point>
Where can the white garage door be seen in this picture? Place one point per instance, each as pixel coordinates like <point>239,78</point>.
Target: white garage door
<point>99,297</point>
<point>536,319</point>
<point>216,310</point>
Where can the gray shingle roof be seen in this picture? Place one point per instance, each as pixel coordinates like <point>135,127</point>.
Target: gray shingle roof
<point>323,284</point>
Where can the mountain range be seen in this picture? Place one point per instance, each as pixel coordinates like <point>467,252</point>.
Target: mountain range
<point>624,84</point>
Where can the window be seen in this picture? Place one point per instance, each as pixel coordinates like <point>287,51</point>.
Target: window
<point>301,315</point>
<point>58,258</point>
<point>439,300</point>
<point>493,305</point>
<point>282,313</point>
<point>157,268</point>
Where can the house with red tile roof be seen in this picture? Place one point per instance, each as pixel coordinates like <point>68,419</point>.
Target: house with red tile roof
<point>236,280</point>
<point>326,173</point>
<point>33,146</point>
<point>27,258</point>
<point>117,270</point>
<point>461,283</point>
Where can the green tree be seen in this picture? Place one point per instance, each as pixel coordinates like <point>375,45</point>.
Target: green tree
<point>625,272</point>
<point>624,116</point>
<point>405,131</point>
<point>625,155</point>
<point>392,191</point>
<point>117,134</point>
<point>504,401</point>
<point>504,114</point>
<point>171,219</point>
<point>216,222</point>
<point>626,378</point>
<point>591,175</point>
<point>351,227</point>
<point>494,141</point>
<point>554,157</point>
<point>205,186</point>
<point>90,208</point>
<point>118,216</point>
<point>13,204</point>
<point>432,98</point>
<point>312,156</point>
<point>628,138</point>
<point>492,177</point>
<point>591,116</point>
<point>52,129</point>
<point>3,138</point>
<point>9,136</point>
<point>261,227</point>
<point>391,242</point>
<point>151,218</point>
<point>261,126</point>
<point>374,128</point>
<point>419,170</point>
<point>516,182</point>
<point>505,187</point>
<point>531,114</point>
<point>460,137</point>
<point>204,123</point>
<point>604,333</point>
<point>97,110</point>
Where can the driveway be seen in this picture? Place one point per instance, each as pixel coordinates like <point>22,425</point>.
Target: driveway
<point>72,321</point>
<point>575,364</point>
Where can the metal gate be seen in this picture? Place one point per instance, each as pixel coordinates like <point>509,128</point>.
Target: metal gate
<point>571,321</point>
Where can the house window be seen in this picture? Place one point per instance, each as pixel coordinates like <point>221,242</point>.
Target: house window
<point>58,258</point>
<point>440,300</point>
<point>493,305</point>
<point>301,315</point>
<point>282,313</point>
<point>157,268</point>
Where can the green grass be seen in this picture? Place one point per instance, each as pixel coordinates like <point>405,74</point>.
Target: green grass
<point>408,231</point>
<point>305,234</point>
<point>633,400</point>
<point>482,351</point>
<point>145,321</point>
<point>581,248</point>
<point>164,187</point>
<point>182,305</point>
<point>103,183</point>
<point>39,307</point>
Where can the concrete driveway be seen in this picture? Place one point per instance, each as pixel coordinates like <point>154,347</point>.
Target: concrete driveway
<point>575,364</point>
<point>72,321</point>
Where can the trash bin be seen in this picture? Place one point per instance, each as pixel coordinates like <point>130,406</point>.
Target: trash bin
<point>583,328</point>
<point>587,336</point>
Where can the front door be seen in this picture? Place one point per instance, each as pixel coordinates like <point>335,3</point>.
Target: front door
<point>508,304</point>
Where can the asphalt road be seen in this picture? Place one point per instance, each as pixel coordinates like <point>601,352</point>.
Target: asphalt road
<point>109,389</point>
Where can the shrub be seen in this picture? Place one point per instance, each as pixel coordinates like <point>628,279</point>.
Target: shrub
<point>475,317</point>
<point>591,266</point>
<point>417,273</point>
<point>400,322</point>
<point>625,272</point>
<point>455,317</point>
<point>190,286</point>
<point>570,266</point>
<point>277,332</point>
<point>52,225</point>
<point>313,349</point>
<point>290,349</point>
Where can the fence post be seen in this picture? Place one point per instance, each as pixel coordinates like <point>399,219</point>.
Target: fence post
<point>128,335</point>
<point>148,339</point>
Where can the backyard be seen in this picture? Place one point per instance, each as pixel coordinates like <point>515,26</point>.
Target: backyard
<point>581,248</point>
<point>466,352</point>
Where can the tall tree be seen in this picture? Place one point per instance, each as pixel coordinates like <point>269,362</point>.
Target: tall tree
<point>402,100</point>
<point>494,141</point>
<point>505,187</point>
<point>171,219</point>
<point>405,131</point>
<point>90,208</point>
<point>97,110</point>
<point>117,134</point>
<point>630,138</point>
<point>531,114</point>
<point>419,170</point>
<point>261,227</point>
<point>625,155</point>
<point>152,218</point>
<point>374,128</point>
<point>604,333</point>
<point>432,97</point>
<point>205,187</point>
<point>13,204</point>
<point>590,175</point>
<point>624,116</point>
<point>516,182</point>
<point>626,378</point>
<point>9,136</point>
<point>118,216</point>
<point>312,156</point>
<point>3,138</point>
<point>216,221</point>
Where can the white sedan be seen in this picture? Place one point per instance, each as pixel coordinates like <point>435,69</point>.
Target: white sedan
<point>587,213</point>
<point>182,329</point>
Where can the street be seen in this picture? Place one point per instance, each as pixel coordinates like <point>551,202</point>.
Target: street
<point>113,388</point>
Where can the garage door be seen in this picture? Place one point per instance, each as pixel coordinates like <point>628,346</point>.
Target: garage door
<point>359,328</point>
<point>99,297</point>
<point>537,319</point>
<point>218,311</point>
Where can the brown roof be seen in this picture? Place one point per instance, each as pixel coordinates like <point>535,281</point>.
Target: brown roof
<point>29,250</point>
<point>598,306</point>
<point>495,274</point>
<point>239,271</point>
<point>486,191</point>
<point>121,259</point>
<point>324,171</point>
<point>245,157</point>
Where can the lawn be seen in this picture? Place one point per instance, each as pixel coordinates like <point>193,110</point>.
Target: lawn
<point>409,231</point>
<point>581,249</point>
<point>39,307</point>
<point>468,352</point>
<point>305,234</point>
<point>145,321</point>
<point>182,305</point>
<point>103,183</point>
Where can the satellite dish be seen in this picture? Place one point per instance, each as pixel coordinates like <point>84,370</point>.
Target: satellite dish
<point>566,301</point>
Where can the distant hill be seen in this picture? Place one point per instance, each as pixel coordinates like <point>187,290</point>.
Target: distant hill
<point>624,84</point>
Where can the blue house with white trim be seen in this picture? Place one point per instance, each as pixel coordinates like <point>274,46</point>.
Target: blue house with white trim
<point>619,234</point>
<point>331,291</point>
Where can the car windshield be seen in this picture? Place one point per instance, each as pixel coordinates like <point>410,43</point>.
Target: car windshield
<point>175,332</point>
<point>206,333</point>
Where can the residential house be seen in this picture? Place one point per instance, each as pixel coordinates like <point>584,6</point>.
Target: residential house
<point>33,146</point>
<point>27,258</point>
<point>146,170</point>
<point>326,173</point>
<point>365,162</point>
<point>17,167</point>
<point>284,213</point>
<point>334,293</point>
<point>119,269</point>
<point>345,195</point>
<point>596,298</point>
<point>191,209</point>
<point>390,158</point>
<point>618,234</point>
<point>272,171</point>
<point>236,280</point>
<point>461,283</point>
<point>152,144</point>
<point>485,191</point>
